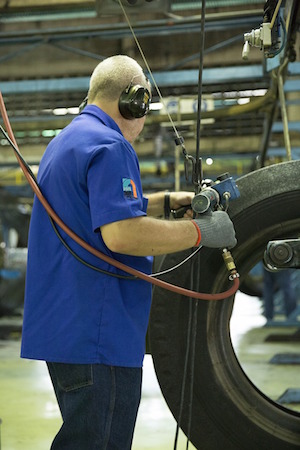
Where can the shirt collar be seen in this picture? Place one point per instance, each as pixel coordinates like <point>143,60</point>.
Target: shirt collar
<point>102,116</point>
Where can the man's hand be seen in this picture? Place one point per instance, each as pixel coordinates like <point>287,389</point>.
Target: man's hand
<point>181,199</point>
<point>159,202</point>
<point>217,230</point>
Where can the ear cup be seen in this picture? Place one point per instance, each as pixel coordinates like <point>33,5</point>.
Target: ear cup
<point>134,102</point>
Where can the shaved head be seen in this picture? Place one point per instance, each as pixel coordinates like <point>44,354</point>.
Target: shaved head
<point>113,75</point>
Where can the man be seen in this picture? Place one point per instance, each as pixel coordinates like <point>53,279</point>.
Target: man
<point>88,325</point>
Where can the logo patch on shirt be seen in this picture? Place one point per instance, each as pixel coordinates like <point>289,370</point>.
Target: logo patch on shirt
<point>129,188</point>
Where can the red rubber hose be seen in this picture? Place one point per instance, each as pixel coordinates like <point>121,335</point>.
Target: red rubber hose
<point>97,253</point>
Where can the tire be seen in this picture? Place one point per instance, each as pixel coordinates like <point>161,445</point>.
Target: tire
<point>252,286</point>
<point>227,410</point>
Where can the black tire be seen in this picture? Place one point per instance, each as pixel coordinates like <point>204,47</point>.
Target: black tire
<point>252,286</point>
<point>228,411</point>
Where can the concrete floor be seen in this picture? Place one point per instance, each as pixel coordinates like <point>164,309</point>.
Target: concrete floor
<point>30,417</point>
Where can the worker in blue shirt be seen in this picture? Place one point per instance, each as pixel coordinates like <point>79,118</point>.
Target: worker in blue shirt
<point>84,317</point>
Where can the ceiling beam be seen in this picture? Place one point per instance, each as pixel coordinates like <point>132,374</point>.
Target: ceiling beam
<point>146,28</point>
<point>163,79</point>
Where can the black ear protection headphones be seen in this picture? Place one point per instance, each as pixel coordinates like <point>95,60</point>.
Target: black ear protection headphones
<point>134,102</point>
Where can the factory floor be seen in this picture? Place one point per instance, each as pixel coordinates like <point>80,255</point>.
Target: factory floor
<point>30,417</point>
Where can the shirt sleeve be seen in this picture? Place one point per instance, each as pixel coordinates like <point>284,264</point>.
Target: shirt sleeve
<point>114,185</point>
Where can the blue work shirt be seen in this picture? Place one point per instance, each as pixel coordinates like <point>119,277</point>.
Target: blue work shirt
<point>90,176</point>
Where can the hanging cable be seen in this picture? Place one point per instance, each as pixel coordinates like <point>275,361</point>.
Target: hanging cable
<point>179,139</point>
<point>275,13</point>
<point>164,272</point>
<point>196,263</point>
<point>195,268</point>
<point>184,376</point>
<point>148,68</point>
<point>192,368</point>
<point>198,167</point>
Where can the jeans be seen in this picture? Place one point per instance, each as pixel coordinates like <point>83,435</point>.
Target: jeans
<point>278,280</point>
<point>98,405</point>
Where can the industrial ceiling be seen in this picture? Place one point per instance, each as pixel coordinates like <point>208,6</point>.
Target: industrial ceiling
<point>49,48</point>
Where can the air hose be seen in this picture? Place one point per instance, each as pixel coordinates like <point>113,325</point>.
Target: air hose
<point>160,283</point>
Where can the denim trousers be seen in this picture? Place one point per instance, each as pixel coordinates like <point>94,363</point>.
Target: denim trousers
<point>272,282</point>
<point>98,404</point>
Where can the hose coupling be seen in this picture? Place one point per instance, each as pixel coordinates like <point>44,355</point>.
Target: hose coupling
<point>230,264</point>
